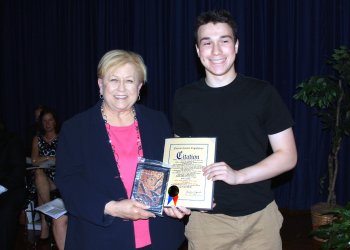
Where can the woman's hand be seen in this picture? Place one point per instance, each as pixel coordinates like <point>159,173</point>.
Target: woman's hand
<point>128,209</point>
<point>52,159</point>
<point>177,212</point>
<point>38,160</point>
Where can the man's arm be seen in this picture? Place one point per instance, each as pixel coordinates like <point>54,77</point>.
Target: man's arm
<point>283,158</point>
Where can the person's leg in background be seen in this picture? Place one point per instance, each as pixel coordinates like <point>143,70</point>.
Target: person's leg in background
<point>59,228</point>
<point>43,186</point>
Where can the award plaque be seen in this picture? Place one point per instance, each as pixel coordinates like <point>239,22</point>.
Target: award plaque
<point>187,186</point>
<point>150,183</point>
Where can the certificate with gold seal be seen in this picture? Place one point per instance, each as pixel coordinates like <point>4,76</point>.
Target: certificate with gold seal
<point>187,186</point>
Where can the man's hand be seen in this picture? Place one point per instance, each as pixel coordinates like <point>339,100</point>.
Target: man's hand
<point>223,172</point>
<point>177,212</point>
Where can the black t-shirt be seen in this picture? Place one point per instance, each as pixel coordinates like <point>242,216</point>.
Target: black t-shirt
<point>240,115</point>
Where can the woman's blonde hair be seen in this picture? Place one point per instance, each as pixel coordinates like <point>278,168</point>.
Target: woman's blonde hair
<point>117,58</point>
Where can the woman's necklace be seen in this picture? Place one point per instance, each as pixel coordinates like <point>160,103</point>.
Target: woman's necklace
<point>108,126</point>
<point>50,139</point>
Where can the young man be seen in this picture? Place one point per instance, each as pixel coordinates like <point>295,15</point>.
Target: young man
<point>246,115</point>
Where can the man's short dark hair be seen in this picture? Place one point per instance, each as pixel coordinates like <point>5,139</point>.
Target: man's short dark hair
<point>216,16</point>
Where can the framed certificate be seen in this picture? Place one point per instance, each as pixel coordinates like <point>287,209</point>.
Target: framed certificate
<point>150,184</point>
<point>187,186</point>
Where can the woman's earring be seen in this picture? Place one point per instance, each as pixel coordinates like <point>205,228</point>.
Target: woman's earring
<point>101,97</point>
<point>139,98</point>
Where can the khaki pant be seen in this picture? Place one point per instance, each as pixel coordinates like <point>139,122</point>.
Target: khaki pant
<point>260,231</point>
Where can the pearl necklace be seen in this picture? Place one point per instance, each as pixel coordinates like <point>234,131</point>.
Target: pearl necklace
<point>138,139</point>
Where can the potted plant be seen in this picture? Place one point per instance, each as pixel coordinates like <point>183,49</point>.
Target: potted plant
<point>330,96</point>
<point>336,235</point>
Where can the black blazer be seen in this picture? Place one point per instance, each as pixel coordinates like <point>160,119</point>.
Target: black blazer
<point>87,178</point>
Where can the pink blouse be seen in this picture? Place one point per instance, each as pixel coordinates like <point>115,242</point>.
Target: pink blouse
<point>124,141</point>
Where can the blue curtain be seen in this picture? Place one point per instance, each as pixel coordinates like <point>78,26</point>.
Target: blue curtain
<point>50,50</point>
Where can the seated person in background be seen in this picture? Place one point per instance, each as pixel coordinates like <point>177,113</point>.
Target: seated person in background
<point>44,150</point>
<point>12,189</point>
